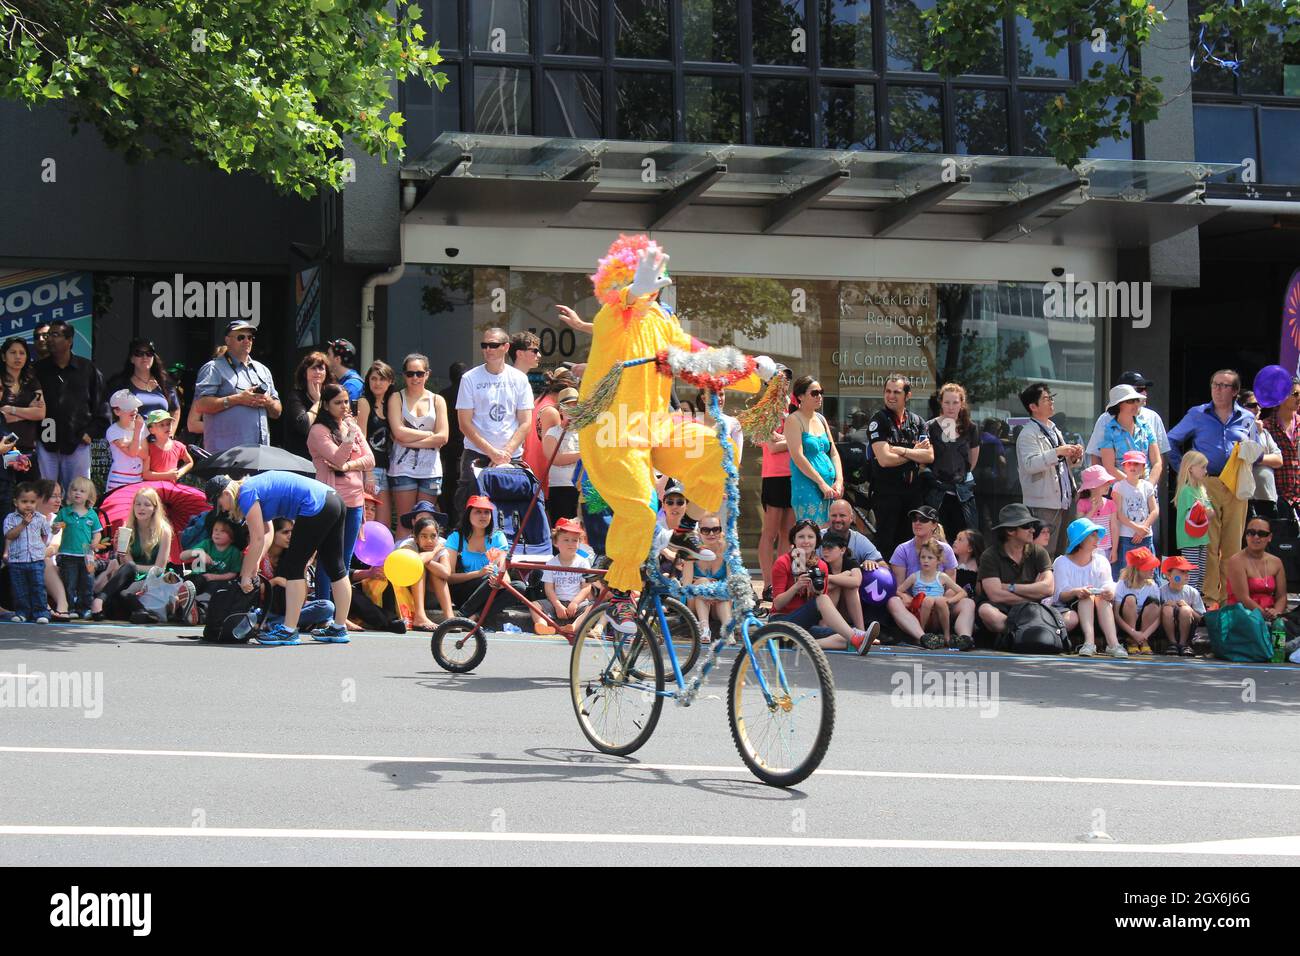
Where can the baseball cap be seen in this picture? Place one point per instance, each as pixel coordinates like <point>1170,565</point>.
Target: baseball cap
<point>1136,379</point>
<point>158,415</point>
<point>1142,559</point>
<point>926,512</point>
<point>234,325</point>
<point>1134,457</point>
<point>342,347</point>
<point>214,486</point>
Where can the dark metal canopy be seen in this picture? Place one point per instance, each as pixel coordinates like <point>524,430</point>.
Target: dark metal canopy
<point>475,179</point>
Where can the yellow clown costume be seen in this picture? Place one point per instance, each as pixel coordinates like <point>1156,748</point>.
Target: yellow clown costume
<point>639,433</point>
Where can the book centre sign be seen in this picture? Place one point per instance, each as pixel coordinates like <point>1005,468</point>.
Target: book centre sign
<point>35,297</point>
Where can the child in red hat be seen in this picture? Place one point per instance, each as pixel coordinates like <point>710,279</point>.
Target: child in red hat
<point>1138,598</point>
<point>1137,510</point>
<point>567,592</point>
<point>1181,606</point>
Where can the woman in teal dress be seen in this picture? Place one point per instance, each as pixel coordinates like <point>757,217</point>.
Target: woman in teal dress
<point>816,476</point>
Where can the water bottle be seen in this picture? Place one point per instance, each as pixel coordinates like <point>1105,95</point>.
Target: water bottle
<point>1278,633</point>
<point>244,627</point>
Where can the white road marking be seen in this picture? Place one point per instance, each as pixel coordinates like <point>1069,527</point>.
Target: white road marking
<point>614,764</point>
<point>1288,846</point>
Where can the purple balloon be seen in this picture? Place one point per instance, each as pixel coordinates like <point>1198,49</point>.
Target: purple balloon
<point>1272,386</point>
<point>877,586</point>
<point>374,543</point>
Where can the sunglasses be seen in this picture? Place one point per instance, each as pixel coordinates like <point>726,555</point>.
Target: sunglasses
<point>674,502</point>
<point>244,337</point>
<point>1256,533</point>
<point>415,373</point>
<point>1251,405</point>
<point>710,531</point>
<point>816,392</point>
<point>1140,388</point>
<point>919,520</point>
<point>493,345</point>
<point>143,353</point>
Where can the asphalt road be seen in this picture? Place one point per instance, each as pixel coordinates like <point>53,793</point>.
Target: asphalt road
<point>369,754</point>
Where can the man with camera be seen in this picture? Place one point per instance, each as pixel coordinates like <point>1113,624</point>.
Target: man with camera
<point>235,394</point>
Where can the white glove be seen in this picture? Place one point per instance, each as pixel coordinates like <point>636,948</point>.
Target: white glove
<point>649,277</point>
<point>766,368</point>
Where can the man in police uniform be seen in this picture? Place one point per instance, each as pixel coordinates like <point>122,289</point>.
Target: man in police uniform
<point>900,449</point>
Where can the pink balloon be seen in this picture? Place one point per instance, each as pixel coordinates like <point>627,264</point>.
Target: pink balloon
<point>374,543</point>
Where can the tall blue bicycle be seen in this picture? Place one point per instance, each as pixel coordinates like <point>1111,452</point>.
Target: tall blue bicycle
<point>780,696</point>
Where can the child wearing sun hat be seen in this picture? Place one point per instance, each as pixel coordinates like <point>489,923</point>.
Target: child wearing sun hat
<point>1096,504</point>
<point>1181,605</point>
<point>1137,598</point>
<point>1136,507</point>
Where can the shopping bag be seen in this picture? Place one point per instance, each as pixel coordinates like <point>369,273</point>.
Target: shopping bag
<point>1238,634</point>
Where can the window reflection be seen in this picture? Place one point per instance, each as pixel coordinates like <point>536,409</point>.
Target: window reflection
<point>848,116</point>
<point>499,27</point>
<point>571,27</point>
<point>571,104</point>
<point>980,122</point>
<point>781,112</point>
<point>915,119</point>
<point>1032,58</point>
<point>712,30</point>
<point>642,29</point>
<point>780,32</point>
<point>713,109</point>
<point>503,100</point>
<point>643,104</point>
<point>847,34</point>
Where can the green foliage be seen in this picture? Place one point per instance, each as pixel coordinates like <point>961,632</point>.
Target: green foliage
<point>270,86</point>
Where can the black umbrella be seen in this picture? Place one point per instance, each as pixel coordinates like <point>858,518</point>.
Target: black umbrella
<point>250,459</point>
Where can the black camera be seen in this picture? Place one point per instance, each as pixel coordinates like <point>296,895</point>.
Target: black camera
<point>817,578</point>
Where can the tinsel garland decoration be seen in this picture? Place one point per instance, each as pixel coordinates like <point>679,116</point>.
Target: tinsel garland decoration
<point>760,421</point>
<point>598,402</point>
<point>591,498</point>
<point>709,369</point>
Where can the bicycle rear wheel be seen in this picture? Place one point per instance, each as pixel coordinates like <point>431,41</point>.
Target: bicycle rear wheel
<point>784,740</point>
<point>615,682</point>
<point>685,630</point>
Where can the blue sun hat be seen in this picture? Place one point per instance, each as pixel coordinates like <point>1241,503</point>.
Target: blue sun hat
<point>1079,529</point>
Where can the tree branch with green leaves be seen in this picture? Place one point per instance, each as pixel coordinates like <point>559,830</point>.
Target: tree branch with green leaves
<point>272,87</point>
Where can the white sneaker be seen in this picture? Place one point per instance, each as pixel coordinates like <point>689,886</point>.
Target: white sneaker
<point>1088,650</point>
<point>1116,651</point>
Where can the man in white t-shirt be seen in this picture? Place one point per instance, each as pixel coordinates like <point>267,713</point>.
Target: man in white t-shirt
<point>495,410</point>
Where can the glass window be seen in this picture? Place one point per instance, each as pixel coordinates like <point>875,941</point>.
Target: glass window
<point>712,31</point>
<point>781,112</point>
<point>1033,133</point>
<point>503,100</point>
<point>905,35</point>
<point>499,27</point>
<point>1263,70</point>
<point>429,112</point>
<point>441,22</point>
<point>643,105</point>
<point>713,109</point>
<point>570,27</point>
<point>915,119</point>
<point>1224,134</point>
<point>1279,134</point>
<point>1032,58</point>
<point>1098,49</point>
<point>642,30</point>
<point>571,104</point>
<point>780,32</point>
<point>847,34</point>
<point>848,116</point>
<point>980,122</point>
<point>1115,148</point>
<point>1207,77</point>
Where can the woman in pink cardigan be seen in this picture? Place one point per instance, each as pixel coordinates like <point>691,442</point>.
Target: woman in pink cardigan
<point>342,457</point>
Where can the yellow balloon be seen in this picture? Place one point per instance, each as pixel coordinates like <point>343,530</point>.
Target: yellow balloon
<point>403,568</point>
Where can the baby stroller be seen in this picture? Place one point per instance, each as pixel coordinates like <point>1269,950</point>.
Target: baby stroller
<point>512,489</point>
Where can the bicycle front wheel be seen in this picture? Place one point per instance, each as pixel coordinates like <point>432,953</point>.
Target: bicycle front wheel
<point>783,734</point>
<point>615,681</point>
<point>685,631</point>
<point>458,645</point>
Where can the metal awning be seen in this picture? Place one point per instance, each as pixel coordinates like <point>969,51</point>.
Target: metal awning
<point>473,179</point>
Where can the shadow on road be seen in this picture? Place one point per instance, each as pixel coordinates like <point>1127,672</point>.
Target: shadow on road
<point>571,766</point>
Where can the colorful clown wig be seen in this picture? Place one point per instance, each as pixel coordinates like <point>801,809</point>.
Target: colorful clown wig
<point>616,271</point>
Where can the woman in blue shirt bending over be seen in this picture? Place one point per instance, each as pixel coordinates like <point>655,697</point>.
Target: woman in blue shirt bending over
<point>318,516</point>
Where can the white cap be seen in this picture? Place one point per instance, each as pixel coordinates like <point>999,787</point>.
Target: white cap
<point>124,399</point>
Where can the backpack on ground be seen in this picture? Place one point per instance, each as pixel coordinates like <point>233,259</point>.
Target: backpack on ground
<point>226,608</point>
<point>1034,628</point>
